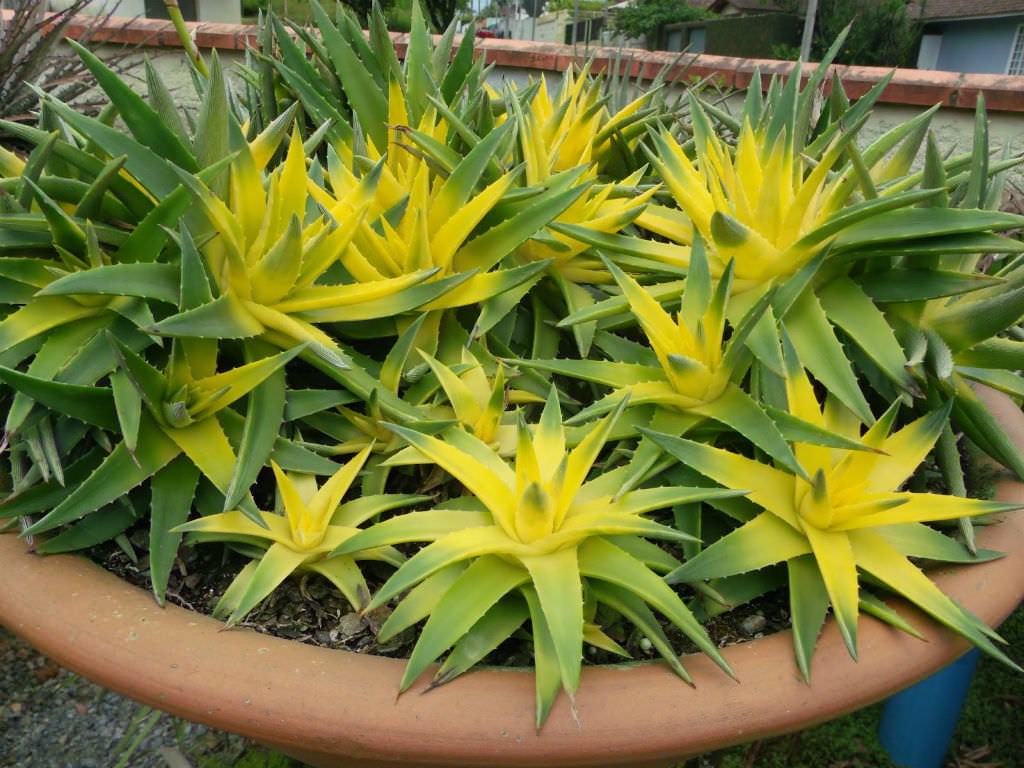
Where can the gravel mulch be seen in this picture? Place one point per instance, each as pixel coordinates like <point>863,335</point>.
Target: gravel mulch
<point>52,718</point>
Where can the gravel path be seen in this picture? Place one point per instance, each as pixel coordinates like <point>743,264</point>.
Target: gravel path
<point>52,718</point>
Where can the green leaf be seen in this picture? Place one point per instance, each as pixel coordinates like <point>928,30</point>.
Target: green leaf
<point>611,374</point>
<point>275,566</point>
<point>90,166</point>
<point>33,272</point>
<point>921,284</point>
<point>994,353</point>
<point>419,296</point>
<point>33,169</point>
<point>492,246</point>
<point>476,590</point>
<point>738,410</point>
<point>149,236</point>
<point>450,548</point>
<point>808,604</point>
<point>163,102</point>
<point>822,354</point>
<point>151,169</point>
<point>556,578</point>
<point>128,405</point>
<point>973,320</point>
<point>47,495</point>
<point>918,540</point>
<point>763,541</point>
<point>319,107</point>
<point>545,658</point>
<point>464,179</point>
<point>368,100</point>
<point>668,253</point>
<point>286,454</point>
<point>91,206</point>
<point>173,489</point>
<point>300,403</point>
<point>460,66</point>
<point>601,560</point>
<point>979,157</point>
<point>66,232</point>
<point>1005,381</point>
<point>151,281</point>
<point>418,69</point>
<point>971,416</point>
<point>799,431</point>
<point>623,601</point>
<point>262,422</point>
<point>100,526</point>
<point>211,142</point>
<point>93,405</point>
<point>851,309</point>
<point>223,318</point>
<point>883,562</point>
<point>872,606</point>
<point>63,345</point>
<point>118,474</point>
<point>415,526</point>
<point>910,223</point>
<point>495,626</point>
<point>420,601</point>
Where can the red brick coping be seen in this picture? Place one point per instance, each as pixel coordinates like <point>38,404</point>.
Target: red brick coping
<point>909,86</point>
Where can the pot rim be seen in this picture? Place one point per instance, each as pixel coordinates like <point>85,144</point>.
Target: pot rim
<point>314,702</point>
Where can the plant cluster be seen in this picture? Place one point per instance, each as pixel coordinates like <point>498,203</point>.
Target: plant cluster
<point>562,358</point>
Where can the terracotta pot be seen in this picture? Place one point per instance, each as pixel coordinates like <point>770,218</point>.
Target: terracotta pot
<point>333,708</point>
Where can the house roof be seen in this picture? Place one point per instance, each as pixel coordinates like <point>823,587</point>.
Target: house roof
<point>963,9</point>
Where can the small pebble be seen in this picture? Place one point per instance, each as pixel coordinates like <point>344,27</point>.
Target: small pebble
<point>322,637</point>
<point>351,624</point>
<point>753,624</point>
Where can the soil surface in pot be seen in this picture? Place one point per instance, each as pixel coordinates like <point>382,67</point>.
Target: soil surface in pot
<point>308,609</point>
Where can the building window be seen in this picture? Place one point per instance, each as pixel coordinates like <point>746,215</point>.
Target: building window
<point>156,9</point>
<point>1016,65</point>
<point>697,40</point>
<point>928,55</point>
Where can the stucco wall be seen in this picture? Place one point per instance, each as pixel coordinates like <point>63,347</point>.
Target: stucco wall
<point>226,11</point>
<point>547,28</point>
<point>977,46</point>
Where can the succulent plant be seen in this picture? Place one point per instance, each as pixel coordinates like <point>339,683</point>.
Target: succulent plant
<point>356,256</point>
<point>541,526</point>
<point>849,515</point>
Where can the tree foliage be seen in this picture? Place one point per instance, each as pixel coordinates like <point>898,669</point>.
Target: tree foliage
<point>441,12</point>
<point>646,16</point>
<point>884,33</point>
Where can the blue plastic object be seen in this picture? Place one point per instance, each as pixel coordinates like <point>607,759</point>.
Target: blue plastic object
<point>918,723</point>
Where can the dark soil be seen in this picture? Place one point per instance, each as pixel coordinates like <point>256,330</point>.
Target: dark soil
<point>308,609</point>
